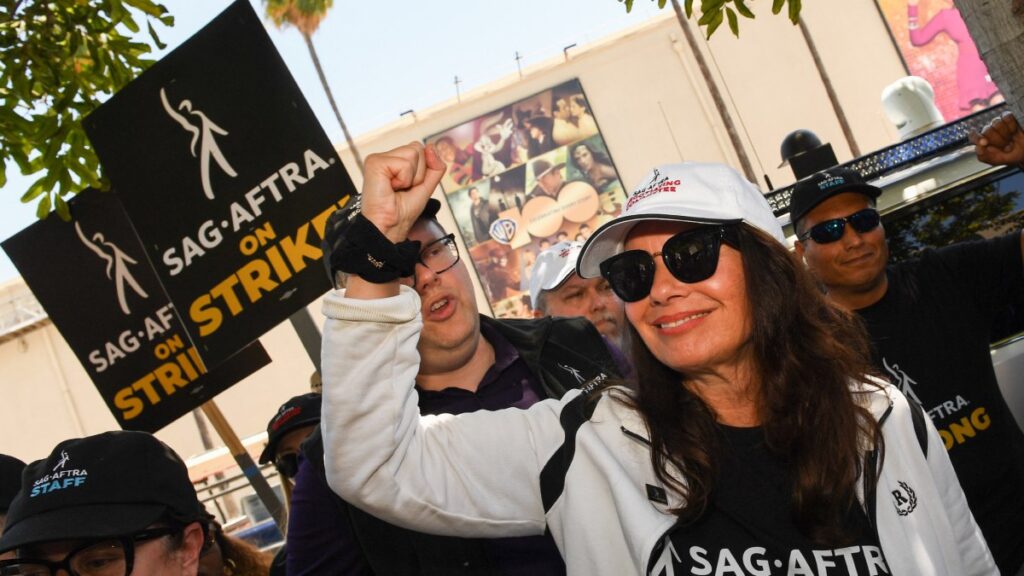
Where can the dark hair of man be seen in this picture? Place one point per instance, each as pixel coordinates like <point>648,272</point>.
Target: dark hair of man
<point>176,539</point>
<point>805,351</point>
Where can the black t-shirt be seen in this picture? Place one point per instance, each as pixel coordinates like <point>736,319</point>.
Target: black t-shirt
<point>930,334</point>
<point>749,530</point>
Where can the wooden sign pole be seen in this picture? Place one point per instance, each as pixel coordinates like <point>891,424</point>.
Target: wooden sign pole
<point>249,468</point>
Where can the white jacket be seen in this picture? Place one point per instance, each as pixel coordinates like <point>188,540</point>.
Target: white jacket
<point>480,474</point>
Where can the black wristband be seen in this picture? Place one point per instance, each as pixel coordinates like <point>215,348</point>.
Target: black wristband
<point>353,245</point>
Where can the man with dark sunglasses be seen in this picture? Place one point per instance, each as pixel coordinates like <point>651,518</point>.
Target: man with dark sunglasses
<point>115,504</point>
<point>468,362</point>
<point>293,422</point>
<point>929,320</point>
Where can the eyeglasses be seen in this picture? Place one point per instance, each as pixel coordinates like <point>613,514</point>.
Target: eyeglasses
<point>287,464</point>
<point>438,256</point>
<point>110,557</point>
<point>830,231</point>
<point>690,256</point>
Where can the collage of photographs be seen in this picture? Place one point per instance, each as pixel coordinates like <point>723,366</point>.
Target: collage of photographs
<point>525,177</point>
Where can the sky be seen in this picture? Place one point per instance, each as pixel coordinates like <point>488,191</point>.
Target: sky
<point>383,58</point>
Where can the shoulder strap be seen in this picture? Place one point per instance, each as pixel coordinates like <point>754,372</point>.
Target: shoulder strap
<point>552,476</point>
<point>918,416</point>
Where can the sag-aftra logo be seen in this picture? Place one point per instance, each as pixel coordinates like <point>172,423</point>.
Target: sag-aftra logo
<point>60,478</point>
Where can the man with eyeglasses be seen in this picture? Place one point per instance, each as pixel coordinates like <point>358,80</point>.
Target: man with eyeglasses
<point>468,362</point>
<point>115,504</point>
<point>929,320</point>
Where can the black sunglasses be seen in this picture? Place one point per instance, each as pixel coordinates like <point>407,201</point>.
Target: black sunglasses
<point>690,256</point>
<point>287,464</point>
<point>828,231</point>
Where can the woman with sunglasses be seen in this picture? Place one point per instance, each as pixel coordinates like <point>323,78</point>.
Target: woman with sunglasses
<point>752,443</point>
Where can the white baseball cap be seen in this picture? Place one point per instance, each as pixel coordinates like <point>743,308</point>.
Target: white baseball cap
<point>552,268</point>
<point>695,192</point>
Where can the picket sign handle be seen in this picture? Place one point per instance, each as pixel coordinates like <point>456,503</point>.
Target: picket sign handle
<point>245,462</point>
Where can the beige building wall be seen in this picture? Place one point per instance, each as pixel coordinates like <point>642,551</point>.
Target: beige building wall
<point>652,106</point>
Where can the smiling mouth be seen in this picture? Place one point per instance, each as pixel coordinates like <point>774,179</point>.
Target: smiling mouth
<point>681,321</point>
<point>859,259</point>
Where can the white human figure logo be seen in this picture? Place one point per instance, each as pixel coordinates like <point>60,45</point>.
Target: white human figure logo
<point>665,565</point>
<point>900,378</point>
<point>205,134</point>
<point>117,262</point>
<point>63,460</point>
<point>573,371</point>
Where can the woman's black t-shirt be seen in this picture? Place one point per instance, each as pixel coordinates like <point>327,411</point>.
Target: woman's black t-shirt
<point>749,531</point>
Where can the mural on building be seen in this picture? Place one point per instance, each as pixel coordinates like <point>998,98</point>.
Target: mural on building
<point>935,44</point>
<point>522,178</point>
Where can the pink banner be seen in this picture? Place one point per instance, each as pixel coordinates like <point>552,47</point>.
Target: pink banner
<point>935,44</point>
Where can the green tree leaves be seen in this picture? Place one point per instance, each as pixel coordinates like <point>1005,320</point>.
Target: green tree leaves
<point>714,12</point>
<point>58,58</point>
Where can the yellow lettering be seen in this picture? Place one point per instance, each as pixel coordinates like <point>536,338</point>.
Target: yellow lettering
<point>277,262</point>
<point>962,430</point>
<point>255,276</point>
<point>129,405</point>
<point>265,234</point>
<point>209,318</point>
<point>225,291</point>
<point>947,439</point>
<point>166,348</point>
<point>187,366</point>
<point>980,419</point>
<point>169,377</point>
<point>146,385</point>
<point>298,250</point>
<point>968,427</point>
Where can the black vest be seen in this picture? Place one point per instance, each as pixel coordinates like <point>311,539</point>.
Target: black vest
<point>548,346</point>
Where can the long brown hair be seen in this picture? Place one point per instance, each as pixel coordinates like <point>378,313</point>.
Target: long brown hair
<point>806,351</point>
<point>240,557</point>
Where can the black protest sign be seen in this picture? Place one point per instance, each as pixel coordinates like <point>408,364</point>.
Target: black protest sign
<point>228,179</point>
<point>94,281</point>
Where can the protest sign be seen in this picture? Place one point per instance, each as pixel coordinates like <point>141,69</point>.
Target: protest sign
<point>95,283</point>
<point>228,179</point>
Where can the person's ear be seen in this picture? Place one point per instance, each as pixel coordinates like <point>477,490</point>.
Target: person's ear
<point>798,247</point>
<point>192,542</point>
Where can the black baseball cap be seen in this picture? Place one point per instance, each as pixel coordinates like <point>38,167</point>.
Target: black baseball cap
<point>297,412</point>
<point>110,484</point>
<point>821,186</point>
<point>10,480</point>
